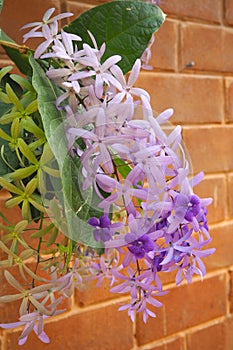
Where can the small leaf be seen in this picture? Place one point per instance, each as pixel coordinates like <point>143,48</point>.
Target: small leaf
<point>24,148</point>
<point>8,186</point>
<point>42,232</point>
<point>22,82</point>
<point>13,98</point>
<point>32,107</point>
<point>12,281</point>
<point>5,70</point>
<point>29,125</point>
<point>26,212</point>
<point>23,173</point>
<point>12,202</point>
<point>20,226</point>
<point>4,135</point>
<point>31,186</point>
<point>15,129</point>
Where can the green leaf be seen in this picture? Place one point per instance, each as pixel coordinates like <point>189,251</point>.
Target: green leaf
<point>13,51</point>
<point>1,5</point>
<point>125,26</point>
<point>24,148</point>
<point>76,204</point>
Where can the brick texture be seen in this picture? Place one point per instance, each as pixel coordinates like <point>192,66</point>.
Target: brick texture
<point>200,43</point>
<point>183,310</point>
<point>229,99</point>
<point>164,50</point>
<point>104,329</point>
<point>229,12</point>
<point>210,11</point>
<point>207,338</point>
<point>195,99</point>
<point>222,235</point>
<point>195,316</point>
<point>208,147</point>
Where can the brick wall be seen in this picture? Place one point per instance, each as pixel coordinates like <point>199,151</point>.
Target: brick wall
<point>198,316</point>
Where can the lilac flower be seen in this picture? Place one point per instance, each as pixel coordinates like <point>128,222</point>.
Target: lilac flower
<point>126,89</point>
<point>46,20</point>
<point>32,321</point>
<point>64,48</point>
<point>104,229</point>
<point>71,280</point>
<point>97,70</point>
<point>125,191</point>
<point>140,246</point>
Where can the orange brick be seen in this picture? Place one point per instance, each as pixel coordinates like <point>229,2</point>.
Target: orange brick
<point>76,8</point>
<point>228,50</point>
<point>164,49</point>
<point>228,333</point>
<point>230,196</point>
<point>210,10</point>
<point>92,294</point>
<point>229,99</point>
<point>190,305</point>
<point>195,99</point>
<point>197,45</point>
<point>222,235</point>
<point>231,290</point>
<point>171,344</point>
<point>210,147</point>
<point>229,11</point>
<point>153,329</point>
<point>207,337</point>
<point>105,329</point>
<point>214,187</point>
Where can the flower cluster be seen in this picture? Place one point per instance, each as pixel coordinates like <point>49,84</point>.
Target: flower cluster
<point>150,219</point>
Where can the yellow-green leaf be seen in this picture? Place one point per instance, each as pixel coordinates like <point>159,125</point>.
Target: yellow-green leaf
<point>29,125</point>
<point>20,226</point>
<point>10,187</point>
<point>12,202</point>
<point>4,71</point>
<point>31,186</point>
<point>26,151</point>
<point>32,107</point>
<point>22,81</point>
<point>13,98</point>
<point>4,135</point>
<point>15,128</point>
<point>23,172</point>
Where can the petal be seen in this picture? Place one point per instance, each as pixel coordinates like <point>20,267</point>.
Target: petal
<point>135,72</point>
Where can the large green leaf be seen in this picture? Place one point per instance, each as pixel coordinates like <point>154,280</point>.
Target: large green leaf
<point>125,26</point>
<point>77,204</point>
<point>15,53</point>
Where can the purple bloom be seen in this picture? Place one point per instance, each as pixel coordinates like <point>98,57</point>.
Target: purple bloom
<point>103,228</point>
<point>32,321</point>
<point>140,246</point>
<point>46,20</point>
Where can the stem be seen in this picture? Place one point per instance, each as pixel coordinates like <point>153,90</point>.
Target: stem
<point>21,48</point>
<point>38,249</point>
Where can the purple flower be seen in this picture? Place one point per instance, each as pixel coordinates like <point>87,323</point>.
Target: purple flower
<point>103,228</point>
<point>140,246</point>
<point>32,321</point>
<point>46,20</point>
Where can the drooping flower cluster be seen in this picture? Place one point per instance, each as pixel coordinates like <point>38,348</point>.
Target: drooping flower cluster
<point>135,163</point>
